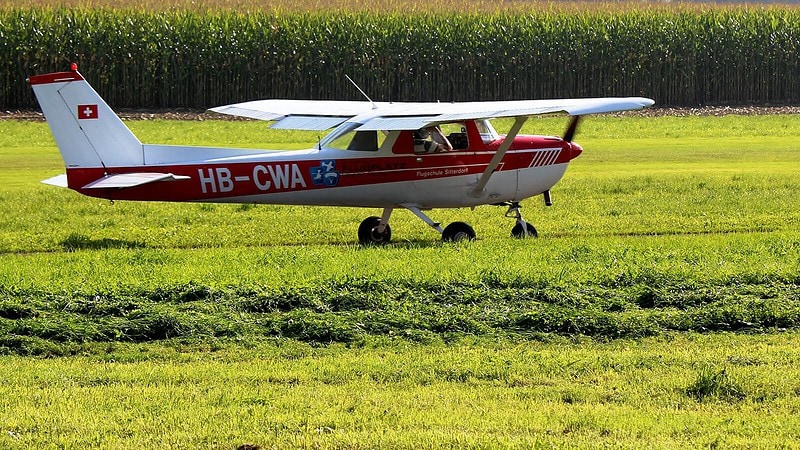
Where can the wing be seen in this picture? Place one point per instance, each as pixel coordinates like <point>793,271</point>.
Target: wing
<point>297,114</point>
<point>321,115</point>
<point>324,114</point>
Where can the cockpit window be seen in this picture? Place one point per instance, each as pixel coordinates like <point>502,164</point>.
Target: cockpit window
<point>456,133</point>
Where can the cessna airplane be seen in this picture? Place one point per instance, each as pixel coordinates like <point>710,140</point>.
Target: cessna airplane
<point>415,156</point>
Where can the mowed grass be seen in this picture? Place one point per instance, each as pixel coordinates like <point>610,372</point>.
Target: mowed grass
<point>687,391</point>
<point>658,308</point>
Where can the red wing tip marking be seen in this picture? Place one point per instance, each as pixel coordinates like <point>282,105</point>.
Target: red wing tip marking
<point>57,77</point>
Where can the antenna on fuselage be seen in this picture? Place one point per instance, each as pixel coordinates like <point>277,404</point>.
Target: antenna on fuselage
<point>374,106</point>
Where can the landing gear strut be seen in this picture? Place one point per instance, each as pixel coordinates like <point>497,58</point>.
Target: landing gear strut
<point>456,231</point>
<point>376,231</point>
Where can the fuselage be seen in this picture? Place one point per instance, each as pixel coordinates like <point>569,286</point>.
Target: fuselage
<point>383,174</point>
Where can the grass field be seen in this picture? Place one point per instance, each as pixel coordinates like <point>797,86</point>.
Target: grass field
<point>731,391</point>
<point>658,308</point>
<point>393,6</point>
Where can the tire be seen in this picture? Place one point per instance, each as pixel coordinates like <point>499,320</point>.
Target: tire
<point>458,231</point>
<point>518,233</point>
<point>368,233</point>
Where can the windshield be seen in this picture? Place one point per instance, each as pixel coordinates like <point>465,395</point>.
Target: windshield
<point>487,131</point>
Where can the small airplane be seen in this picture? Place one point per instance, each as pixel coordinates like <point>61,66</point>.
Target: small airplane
<point>414,156</point>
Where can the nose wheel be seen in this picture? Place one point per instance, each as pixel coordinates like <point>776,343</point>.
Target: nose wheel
<point>522,229</point>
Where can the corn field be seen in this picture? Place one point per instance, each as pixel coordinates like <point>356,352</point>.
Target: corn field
<point>192,59</point>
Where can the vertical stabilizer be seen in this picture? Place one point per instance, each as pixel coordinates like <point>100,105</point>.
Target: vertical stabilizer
<point>87,132</point>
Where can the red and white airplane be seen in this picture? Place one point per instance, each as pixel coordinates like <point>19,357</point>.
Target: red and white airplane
<point>415,156</point>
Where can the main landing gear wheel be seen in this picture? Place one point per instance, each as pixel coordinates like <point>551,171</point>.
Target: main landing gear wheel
<point>368,232</point>
<point>458,231</point>
<point>519,233</point>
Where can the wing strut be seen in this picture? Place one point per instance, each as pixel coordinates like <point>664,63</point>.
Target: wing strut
<point>479,188</point>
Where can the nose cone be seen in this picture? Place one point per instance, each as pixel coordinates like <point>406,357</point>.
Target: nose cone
<point>574,150</point>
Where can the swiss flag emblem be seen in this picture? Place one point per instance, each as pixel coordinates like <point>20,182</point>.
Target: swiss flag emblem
<point>87,111</point>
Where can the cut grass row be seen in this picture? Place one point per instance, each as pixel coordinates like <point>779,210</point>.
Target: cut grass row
<point>365,312</point>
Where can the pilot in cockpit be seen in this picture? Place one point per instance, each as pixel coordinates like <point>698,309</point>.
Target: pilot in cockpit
<point>431,140</point>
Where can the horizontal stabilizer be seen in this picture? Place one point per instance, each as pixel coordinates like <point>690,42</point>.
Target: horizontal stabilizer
<point>58,180</point>
<point>127,180</point>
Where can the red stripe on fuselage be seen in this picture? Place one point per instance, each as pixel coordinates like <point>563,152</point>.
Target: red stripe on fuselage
<point>221,180</point>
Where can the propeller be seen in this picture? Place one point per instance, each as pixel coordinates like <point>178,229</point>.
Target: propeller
<point>573,150</point>
<point>573,125</point>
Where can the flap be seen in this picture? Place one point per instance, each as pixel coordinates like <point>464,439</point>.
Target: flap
<point>310,123</point>
<point>397,123</point>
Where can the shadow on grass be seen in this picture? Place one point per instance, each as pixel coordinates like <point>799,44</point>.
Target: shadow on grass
<point>82,242</point>
<point>77,241</point>
<point>405,244</point>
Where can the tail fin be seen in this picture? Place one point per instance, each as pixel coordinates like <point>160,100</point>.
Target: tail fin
<point>86,130</point>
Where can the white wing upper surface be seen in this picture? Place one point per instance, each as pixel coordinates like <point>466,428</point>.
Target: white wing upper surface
<point>324,114</point>
<point>278,109</point>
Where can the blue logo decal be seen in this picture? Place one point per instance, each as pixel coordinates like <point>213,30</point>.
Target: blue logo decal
<point>325,175</point>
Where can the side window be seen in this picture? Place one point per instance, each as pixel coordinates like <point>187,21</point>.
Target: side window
<point>404,144</point>
<point>360,141</point>
<point>446,137</point>
<point>456,133</point>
